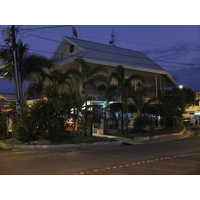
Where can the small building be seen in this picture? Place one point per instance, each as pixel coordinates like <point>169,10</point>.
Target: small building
<point>5,100</point>
<point>193,112</point>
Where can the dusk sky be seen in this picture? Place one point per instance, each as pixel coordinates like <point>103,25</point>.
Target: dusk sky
<point>176,48</point>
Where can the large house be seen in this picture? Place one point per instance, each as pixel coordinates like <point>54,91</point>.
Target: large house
<point>157,79</point>
<point>134,62</point>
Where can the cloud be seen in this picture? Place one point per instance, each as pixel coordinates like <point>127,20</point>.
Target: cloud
<point>187,77</point>
<point>180,49</point>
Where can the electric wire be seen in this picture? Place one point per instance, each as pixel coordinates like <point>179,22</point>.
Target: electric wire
<point>158,60</point>
<point>37,37</point>
<point>48,27</point>
<point>121,41</point>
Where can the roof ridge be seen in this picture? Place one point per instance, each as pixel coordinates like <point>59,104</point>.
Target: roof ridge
<point>103,44</point>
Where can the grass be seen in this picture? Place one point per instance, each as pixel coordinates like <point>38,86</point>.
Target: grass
<point>12,142</point>
<point>72,140</point>
<point>85,139</point>
<point>3,149</point>
<point>93,139</point>
<point>133,135</point>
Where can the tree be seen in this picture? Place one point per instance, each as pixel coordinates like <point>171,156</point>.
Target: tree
<point>52,113</point>
<point>67,78</point>
<point>174,103</point>
<point>91,75</point>
<point>35,90</point>
<point>124,88</point>
<point>78,107</point>
<point>29,64</point>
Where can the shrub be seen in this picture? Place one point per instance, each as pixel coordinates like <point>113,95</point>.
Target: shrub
<point>3,127</point>
<point>180,126</point>
<point>142,121</point>
<point>22,134</point>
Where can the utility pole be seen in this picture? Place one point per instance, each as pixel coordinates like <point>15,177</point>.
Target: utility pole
<point>17,75</point>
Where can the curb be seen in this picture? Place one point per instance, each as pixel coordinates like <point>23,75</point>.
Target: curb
<point>38,147</point>
<point>137,141</point>
<point>141,139</point>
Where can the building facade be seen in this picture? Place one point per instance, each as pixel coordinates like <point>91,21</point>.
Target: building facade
<point>157,80</point>
<point>192,114</point>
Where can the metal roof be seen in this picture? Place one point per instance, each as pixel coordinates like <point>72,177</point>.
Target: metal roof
<point>7,96</point>
<point>106,53</point>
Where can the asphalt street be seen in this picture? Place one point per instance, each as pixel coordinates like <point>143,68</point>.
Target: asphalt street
<point>164,158</point>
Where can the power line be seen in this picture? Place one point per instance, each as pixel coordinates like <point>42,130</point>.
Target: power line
<point>31,29</point>
<point>37,37</point>
<point>43,38</point>
<point>60,26</point>
<point>163,66</point>
<point>172,62</point>
<point>123,41</point>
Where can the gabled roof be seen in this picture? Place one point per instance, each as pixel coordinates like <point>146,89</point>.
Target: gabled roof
<point>100,52</point>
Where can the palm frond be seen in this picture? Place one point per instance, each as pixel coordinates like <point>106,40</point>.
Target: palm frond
<point>137,77</point>
<point>111,91</point>
<point>98,69</point>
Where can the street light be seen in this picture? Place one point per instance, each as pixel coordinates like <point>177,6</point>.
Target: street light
<point>180,86</point>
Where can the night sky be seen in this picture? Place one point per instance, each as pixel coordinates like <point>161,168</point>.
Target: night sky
<point>176,48</point>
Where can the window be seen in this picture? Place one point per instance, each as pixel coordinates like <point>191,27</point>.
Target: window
<point>196,103</point>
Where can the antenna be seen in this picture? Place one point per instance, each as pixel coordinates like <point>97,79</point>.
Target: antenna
<point>75,34</point>
<point>112,41</point>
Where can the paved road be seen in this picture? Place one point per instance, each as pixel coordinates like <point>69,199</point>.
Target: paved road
<point>172,157</point>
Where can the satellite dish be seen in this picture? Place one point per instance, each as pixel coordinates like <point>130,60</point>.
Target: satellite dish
<point>74,32</point>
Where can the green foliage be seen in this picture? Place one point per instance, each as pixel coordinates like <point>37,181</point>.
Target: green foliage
<point>22,134</point>
<point>91,75</point>
<point>124,88</point>
<point>3,127</point>
<point>143,121</point>
<point>180,126</point>
<point>174,103</point>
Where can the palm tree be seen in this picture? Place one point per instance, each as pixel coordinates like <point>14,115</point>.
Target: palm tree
<point>78,107</point>
<point>124,88</point>
<point>29,65</point>
<point>52,113</point>
<point>35,90</point>
<point>91,75</point>
<point>67,78</point>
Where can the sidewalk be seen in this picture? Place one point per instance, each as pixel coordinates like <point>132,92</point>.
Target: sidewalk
<point>148,140</point>
<point>120,140</point>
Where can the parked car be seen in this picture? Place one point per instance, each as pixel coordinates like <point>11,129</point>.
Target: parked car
<point>187,122</point>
